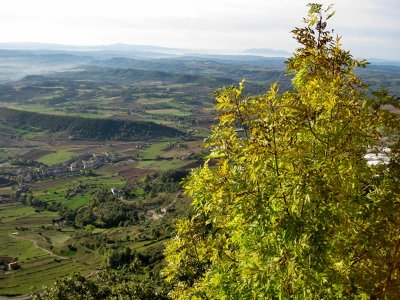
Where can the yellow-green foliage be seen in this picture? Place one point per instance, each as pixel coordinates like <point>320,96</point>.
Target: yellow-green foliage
<point>292,210</point>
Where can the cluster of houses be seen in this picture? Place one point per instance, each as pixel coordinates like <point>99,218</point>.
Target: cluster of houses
<point>70,167</point>
<point>379,157</point>
<point>7,199</point>
<point>87,162</point>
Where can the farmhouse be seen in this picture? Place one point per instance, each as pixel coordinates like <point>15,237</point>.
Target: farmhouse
<point>13,265</point>
<point>7,199</point>
<point>116,192</point>
<point>8,263</point>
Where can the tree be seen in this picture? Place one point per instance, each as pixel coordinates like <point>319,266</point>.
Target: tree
<point>105,285</point>
<point>292,210</point>
<point>129,282</point>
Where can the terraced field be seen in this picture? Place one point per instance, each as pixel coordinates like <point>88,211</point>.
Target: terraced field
<point>58,190</point>
<point>28,237</point>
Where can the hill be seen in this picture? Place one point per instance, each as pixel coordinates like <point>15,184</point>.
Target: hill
<point>100,129</point>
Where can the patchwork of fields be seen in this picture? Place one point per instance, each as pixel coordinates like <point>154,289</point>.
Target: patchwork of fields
<point>39,245</point>
<point>146,118</point>
<point>30,238</point>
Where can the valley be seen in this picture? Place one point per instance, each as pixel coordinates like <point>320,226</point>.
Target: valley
<point>92,156</point>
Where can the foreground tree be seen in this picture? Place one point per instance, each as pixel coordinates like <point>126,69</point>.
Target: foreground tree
<point>109,284</point>
<point>293,210</point>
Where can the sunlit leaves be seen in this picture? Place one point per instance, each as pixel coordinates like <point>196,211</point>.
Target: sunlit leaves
<point>292,210</point>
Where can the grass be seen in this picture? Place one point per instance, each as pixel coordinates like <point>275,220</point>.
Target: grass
<point>150,158</point>
<point>9,212</point>
<point>44,109</point>
<point>31,135</point>
<point>57,157</point>
<point>58,193</point>
<point>22,245</point>
<point>154,150</point>
<point>25,133</point>
<point>28,280</point>
<point>31,245</point>
<point>77,201</point>
<point>4,153</point>
<point>146,118</point>
<point>6,190</point>
<point>203,133</point>
<point>154,100</point>
<point>58,238</point>
<point>180,106</point>
<point>24,250</point>
<point>171,111</point>
<point>163,165</point>
<point>39,108</point>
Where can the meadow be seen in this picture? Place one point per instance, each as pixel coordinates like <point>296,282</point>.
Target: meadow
<point>57,191</point>
<point>56,158</point>
<point>29,237</point>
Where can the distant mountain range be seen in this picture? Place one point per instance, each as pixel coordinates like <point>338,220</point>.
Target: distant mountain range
<point>149,49</point>
<point>112,47</point>
<point>154,52</point>
<point>21,59</point>
<point>267,52</point>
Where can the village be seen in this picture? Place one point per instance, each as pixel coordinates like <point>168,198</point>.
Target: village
<point>77,165</point>
<point>131,160</point>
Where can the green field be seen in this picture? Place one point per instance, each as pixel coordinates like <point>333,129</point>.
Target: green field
<point>28,236</point>
<point>26,281</point>
<point>39,108</point>
<point>44,109</point>
<point>25,133</point>
<point>167,111</point>
<point>155,149</point>
<point>57,157</point>
<point>152,118</point>
<point>163,165</point>
<point>154,101</point>
<point>58,193</point>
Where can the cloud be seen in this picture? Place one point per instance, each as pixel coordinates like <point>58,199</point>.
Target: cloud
<point>229,24</point>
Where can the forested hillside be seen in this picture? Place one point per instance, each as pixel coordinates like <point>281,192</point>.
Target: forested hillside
<point>100,129</point>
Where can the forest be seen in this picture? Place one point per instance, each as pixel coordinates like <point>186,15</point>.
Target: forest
<point>89,128</point>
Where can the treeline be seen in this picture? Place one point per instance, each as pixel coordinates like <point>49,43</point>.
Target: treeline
<point>127,76</point>
<point>106,211</point>
<point>165,182</point>
<point>128,283</point>
<point>99,129</point>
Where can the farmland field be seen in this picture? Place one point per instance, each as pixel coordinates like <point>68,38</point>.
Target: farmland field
<point>171,111</point>
<point>51,191</point>
<point>35,154</point>
<point>29,237</point>
<point>56,158</point>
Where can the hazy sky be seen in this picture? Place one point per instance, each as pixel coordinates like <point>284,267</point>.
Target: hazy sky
<point>370,28</point>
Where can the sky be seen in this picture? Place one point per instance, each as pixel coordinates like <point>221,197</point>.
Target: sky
<point>370,28</point>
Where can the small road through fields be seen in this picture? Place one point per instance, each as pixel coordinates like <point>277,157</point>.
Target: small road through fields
<point>35,243</point>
